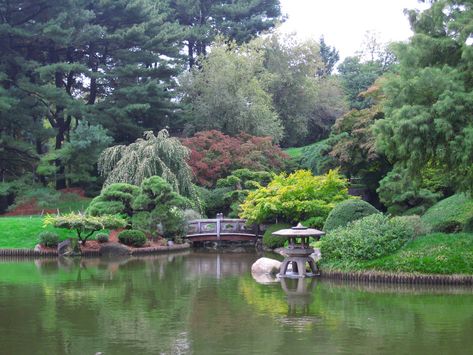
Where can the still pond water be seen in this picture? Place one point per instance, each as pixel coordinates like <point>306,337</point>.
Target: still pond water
<point>207,303</point>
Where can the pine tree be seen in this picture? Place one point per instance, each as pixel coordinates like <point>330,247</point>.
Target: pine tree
<point>429,105</point>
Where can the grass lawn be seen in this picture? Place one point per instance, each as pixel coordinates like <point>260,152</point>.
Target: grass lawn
<point>296,152</point>
<point>22,232</point>
<point>436,253</point>
<point>71,203</point>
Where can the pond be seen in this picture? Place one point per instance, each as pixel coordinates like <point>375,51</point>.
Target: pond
<point>208,303</point>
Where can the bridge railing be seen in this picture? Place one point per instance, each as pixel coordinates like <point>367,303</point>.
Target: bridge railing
<point>220,226</point>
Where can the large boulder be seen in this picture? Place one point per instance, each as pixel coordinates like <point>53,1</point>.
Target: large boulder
<point>114,249</point>
<point>65,248</point>
<point>265,266</point>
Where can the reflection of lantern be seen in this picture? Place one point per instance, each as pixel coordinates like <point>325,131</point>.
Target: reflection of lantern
<point>298,293</point>
<point>298,252</point>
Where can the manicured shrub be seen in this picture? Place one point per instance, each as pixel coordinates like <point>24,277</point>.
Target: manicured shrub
<point>114,199</point>
<point>450,215</point>
<point>132,237</point>
<point>158,204</point>
<point>365,239</point>
<point>102,238</point>
<point>272,242</point>
<point>348,211</point>
<point>414,223</point>
<point>48,239</point>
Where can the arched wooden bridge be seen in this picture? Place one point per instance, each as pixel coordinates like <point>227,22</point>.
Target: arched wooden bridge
<point>220,229</point>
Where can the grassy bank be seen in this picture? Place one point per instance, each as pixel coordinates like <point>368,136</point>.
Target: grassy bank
<point>22,232</point>
<point>436,253</point>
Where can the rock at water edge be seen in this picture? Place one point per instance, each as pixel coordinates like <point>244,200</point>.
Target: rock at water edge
<point>114,249</point>
<point>265,266</point>
<point>65,248</point>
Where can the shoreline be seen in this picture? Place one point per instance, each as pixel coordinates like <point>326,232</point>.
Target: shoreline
<point>398,278</point>
<point>31,253</point>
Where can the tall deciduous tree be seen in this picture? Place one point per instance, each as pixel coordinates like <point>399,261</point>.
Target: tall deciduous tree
<point>228,93</point>
<point>429,105</point>
<point>307,104</point>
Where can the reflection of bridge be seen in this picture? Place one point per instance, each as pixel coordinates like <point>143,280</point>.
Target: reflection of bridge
<point>220,229</point>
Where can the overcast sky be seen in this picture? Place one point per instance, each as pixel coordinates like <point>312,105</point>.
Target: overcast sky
<point>345,22</point>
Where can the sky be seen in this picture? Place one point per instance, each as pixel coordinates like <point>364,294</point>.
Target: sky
<point>344,23</point>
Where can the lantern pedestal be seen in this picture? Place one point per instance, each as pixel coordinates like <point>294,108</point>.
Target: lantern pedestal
<point>299,258</point>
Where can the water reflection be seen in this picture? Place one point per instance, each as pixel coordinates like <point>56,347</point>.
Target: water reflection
<point>298,294</point>
<point>208,303</point>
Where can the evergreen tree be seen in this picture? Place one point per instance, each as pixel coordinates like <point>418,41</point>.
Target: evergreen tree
<point>69,60</point>
<point>238,20</point>
<point>329,56</point>
<point>429,105</point>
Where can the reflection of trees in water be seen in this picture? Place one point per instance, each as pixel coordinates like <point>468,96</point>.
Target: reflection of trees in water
<point>119,307</point>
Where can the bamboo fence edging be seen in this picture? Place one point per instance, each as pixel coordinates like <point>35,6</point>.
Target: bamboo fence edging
<point>402,278</point>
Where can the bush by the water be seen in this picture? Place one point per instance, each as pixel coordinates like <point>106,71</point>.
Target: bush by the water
<point>48,239</point>
<point>102,238</point>
<point>348,211</point>
<point>368,238</point>
<point>450,215</point>
<point>271,241</point>
<point>132,237</point>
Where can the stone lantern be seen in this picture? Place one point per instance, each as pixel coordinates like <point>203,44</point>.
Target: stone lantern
<point>298,252</point>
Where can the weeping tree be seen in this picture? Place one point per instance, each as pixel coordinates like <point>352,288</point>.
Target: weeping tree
<point>153,155</point>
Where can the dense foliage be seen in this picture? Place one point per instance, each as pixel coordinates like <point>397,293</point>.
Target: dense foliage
<point>239,184</point>
<point>234,75</point>
<point>368,238</point>
<point>346,212</point>
<point>213,155</point>
<point>296,197</point>
<point>160,155</point>
<point>272,242</point>
<point>429,102</point>
<point>405,196</point>
<point>158,208</point>
<point>154,207</point>
<point>67,61</point>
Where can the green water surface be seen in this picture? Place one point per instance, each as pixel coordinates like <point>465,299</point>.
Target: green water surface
<point>208,303</point>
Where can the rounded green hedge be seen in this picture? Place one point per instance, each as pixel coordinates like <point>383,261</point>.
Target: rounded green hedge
<point>48,239</point>
<point>271,241</point>
<point>348,211</point>
<point>132,237</point>
<point>451,215</point>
